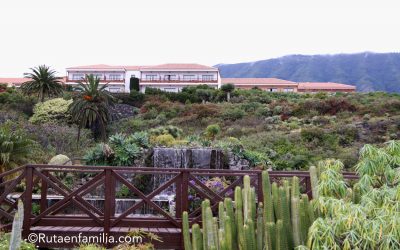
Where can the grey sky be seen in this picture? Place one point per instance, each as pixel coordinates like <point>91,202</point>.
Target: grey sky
<point>127,32</point>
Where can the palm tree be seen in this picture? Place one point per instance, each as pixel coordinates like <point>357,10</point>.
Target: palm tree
<point>42,81</point>
<point>92,105</point>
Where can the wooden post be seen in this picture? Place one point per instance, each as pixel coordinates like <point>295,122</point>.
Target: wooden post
<point>43,193</point>
<point>178,196</point>
<point>308,187</point>
<point>28,200</point>
<point>109,201</point>
<point>185,191</point>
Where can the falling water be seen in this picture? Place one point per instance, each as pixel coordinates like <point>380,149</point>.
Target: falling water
<point>202,158</point>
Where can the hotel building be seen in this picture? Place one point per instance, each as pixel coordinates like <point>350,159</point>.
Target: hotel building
<point>174,77</point>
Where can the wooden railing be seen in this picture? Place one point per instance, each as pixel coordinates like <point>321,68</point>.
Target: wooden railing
<point>45,180</point>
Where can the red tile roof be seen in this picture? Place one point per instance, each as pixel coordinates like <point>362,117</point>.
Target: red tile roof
<point>179,66</point>
<point>97,67</point>
<point>168,66</point>
<point>324,86</point>
<point>20,80</point>
<point>13,81</point>
<point>256,81</point>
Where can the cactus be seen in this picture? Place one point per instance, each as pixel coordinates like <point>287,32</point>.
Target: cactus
<point>185,230</point>
<point>197,238</point>
<point>275,198</point>
<point>229,240</point>
<point>285,215</point>
<point>296,221</point>
<point>314,181</point>
<point>221,214</point>
<point>246,198</point>
<point>260,226</point>
<point>231,215</point>
<point>252,204</point>
<point>215,230</point>
<point>247,225</point>
<point>303,219</point>
<point>268,203</point>
<point>295,187</point>
<point>239,216</point>
<point>204,205</point>
<point>209,229</point>
<point>270,236</point>
<point>250,235</point>
<point>16,233</point>
<point>280,236</point>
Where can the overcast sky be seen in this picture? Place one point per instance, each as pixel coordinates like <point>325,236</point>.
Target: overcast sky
<point>143,32</point>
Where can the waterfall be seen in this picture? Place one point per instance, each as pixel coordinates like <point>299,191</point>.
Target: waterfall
<point>202,158</point>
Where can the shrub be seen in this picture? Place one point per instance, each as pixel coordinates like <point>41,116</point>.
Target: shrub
<point>175,132</point>
<point>163,140</point>
<point>122,150</point>
<point>51,111</point>
<point>212,131</point>
<point>263,111</point>
<point>233,114</point>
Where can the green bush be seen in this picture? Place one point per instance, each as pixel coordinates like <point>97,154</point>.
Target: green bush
<point>212,131</point>
<point>233,114</point>
<point>121,150</point>
<point>163,140</point>
<point>51,111</point>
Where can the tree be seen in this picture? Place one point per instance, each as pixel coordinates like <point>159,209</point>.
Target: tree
<point>228,89</point>
<point>134,84</point>
<point>92,106</point>
<point>204,94</point>
<point>42,82</point>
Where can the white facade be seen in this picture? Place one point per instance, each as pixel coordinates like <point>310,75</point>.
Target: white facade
<point>167,77</point>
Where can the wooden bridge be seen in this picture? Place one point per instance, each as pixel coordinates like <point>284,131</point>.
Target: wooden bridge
<point>52,219</point>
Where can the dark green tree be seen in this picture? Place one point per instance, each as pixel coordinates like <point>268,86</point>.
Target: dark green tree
<point>228,89</point>
<point>134,84</point>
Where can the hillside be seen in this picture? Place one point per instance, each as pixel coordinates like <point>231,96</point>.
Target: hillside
<point>368,71</point>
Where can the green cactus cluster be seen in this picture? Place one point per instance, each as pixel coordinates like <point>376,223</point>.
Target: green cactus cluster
<point>279,222</point>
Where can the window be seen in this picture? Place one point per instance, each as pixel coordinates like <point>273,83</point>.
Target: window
<point>169,77</point>
<point>99,76</point>
<point>288,90</point>
<point>273,90</point>
<point>77,76</point>
<point>151,77</point>
<point>115,77</point>
<point>207,77</point>
<point>171,90</point>
<point>133,76</point>
<point>114,89</point>
<point>189,77</point>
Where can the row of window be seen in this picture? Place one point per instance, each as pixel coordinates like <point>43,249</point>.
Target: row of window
<point>114,77</point>
<point>175,77</point>
<point>284,90</point>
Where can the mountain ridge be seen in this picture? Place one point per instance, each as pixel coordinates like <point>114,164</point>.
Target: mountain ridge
<point>368,71</point>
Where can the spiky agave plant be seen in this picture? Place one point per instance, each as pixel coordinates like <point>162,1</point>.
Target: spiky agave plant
<point>368,217</point>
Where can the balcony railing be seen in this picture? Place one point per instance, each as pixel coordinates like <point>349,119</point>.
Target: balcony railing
<point>102,79</point>
<point>177,80</point>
